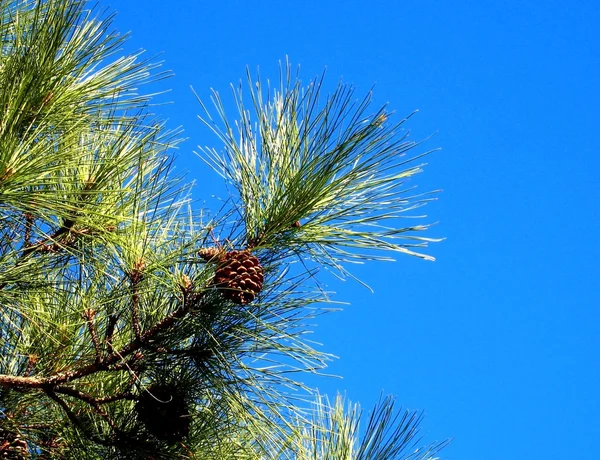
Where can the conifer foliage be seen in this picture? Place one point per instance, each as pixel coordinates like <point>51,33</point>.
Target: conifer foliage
<point>134,326</point>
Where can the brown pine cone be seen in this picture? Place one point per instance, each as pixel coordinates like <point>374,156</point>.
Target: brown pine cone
<point>239,276</point>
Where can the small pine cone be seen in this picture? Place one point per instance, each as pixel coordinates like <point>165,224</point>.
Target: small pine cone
<point>240,277</point>
<point>164,412</point>
<point>186,283</point>
<point>211,254</point>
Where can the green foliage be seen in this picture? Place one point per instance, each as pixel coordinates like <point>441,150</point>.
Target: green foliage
<point>333,166</point>
<point>105,301</point>
<point>334,433</point>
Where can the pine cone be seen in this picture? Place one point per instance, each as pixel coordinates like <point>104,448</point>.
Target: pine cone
<point>186,283</point>
<point>164,412</point>
<point>211,254</point>
<point>240,277</point>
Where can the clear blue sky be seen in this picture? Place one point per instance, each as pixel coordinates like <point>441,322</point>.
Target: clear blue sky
<point>498,340</point>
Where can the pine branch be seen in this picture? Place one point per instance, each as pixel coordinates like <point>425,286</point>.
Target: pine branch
<point>106,363</point>
<point>339,171</point>
<point>95,403</point>
<point>71,416</point>
<point>108,288</point>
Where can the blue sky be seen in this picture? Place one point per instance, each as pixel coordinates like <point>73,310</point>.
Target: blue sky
<point>498,339</point>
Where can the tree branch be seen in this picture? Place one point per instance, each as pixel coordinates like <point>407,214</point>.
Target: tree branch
<point>67,410</point>
<point>106,363</point>
<point>91,401</point>
<point>49,243</point>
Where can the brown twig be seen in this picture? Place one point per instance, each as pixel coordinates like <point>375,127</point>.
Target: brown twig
<point>49,243</point>
<point>93,401</point>
<point>135,277</point>
<point>110,331</point>
<point>28,227</point>
<point>89,315</point>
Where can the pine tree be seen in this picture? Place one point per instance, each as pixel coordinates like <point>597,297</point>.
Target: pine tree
<point>133,325</point>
